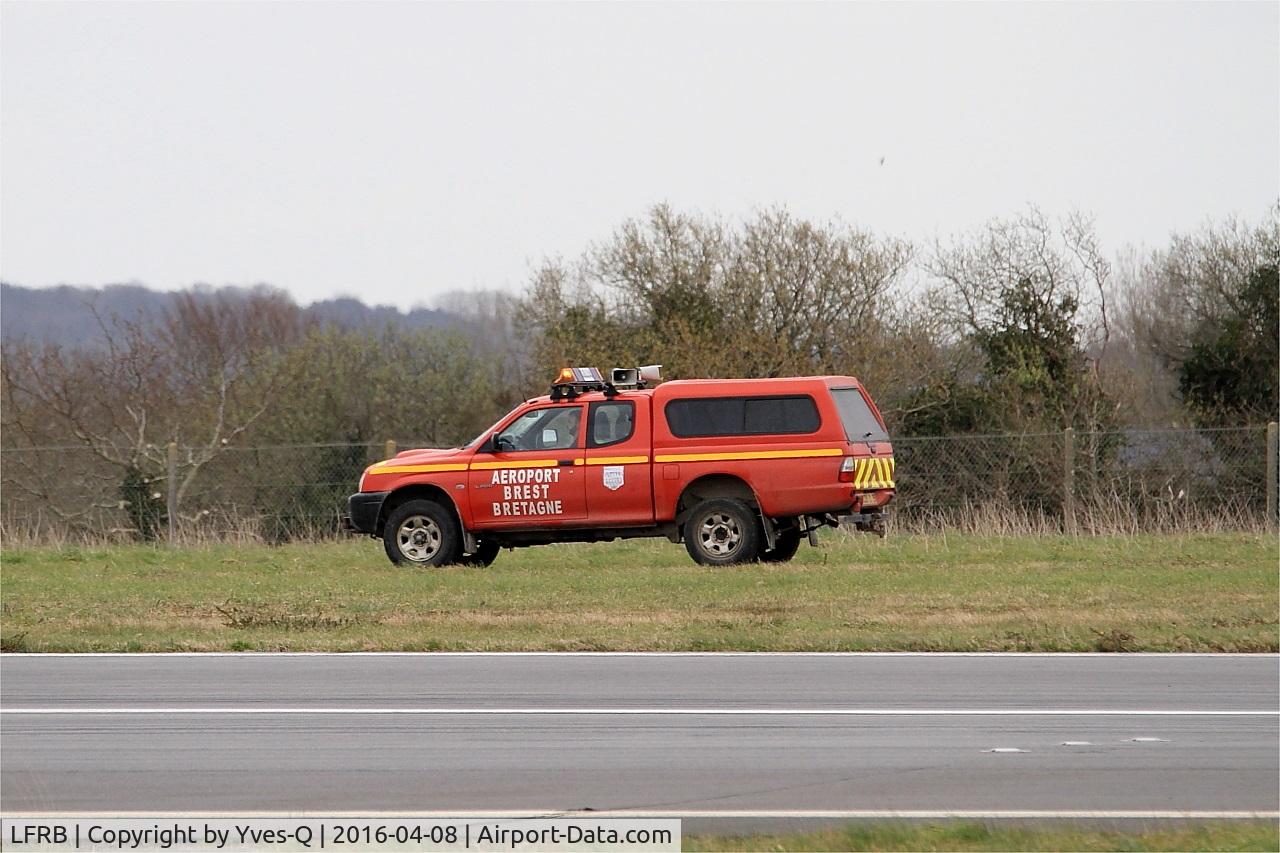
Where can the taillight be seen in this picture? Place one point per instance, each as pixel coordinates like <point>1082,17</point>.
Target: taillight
<point>847,467</point>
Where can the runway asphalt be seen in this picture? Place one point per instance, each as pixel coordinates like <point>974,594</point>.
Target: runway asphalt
<point>709,738</point>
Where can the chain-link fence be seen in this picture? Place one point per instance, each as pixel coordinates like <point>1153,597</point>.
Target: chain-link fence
<point>1100,481</point>
<point>1119,480</point>
<point>273,493</point>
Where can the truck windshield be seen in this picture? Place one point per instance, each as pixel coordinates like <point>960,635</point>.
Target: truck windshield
<point>860,423</point>
<point>473,442</point>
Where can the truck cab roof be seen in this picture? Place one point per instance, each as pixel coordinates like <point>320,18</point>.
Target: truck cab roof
<point>678,388</point>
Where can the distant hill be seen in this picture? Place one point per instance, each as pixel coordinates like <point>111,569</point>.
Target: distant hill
<point>64,315</point>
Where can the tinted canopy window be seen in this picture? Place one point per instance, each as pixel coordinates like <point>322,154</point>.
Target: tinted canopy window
<point>709,416</point>
<point>859,421</point>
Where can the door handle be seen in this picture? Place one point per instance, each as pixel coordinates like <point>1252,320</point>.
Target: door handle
<point>566,462</point>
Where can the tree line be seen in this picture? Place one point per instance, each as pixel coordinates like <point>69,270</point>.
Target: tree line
<point>1024,325</point>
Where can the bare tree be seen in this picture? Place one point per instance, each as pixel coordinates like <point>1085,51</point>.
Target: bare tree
<point>1195,282</point>
<point>200,376</point>
<point>1031,295</point>
<point>775,295</point>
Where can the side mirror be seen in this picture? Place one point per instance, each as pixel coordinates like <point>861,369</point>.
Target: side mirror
<point>502,442</point>
<point>550,438</point>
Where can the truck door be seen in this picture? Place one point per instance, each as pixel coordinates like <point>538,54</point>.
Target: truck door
<point>534,477</point>
<point>619,472</point>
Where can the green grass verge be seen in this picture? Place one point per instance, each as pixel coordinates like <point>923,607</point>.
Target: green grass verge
<point>1221,835</point>
<point>1144,593</point>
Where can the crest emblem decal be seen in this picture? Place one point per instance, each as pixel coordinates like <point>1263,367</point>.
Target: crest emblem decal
<point>613,478</point>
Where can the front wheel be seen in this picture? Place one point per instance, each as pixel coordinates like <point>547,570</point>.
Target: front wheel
<point>486,553</point>
<point>722,532</point>
<point>422,533</point>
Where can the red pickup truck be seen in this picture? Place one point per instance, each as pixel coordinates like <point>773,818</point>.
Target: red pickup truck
<point>737,469</point>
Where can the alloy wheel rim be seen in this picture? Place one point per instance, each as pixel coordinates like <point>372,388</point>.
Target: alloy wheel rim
<point>720,534</point>
<point>419,538</point>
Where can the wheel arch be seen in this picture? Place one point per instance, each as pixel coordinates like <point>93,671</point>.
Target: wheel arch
<point>417,491</point>
<point>710,486</point>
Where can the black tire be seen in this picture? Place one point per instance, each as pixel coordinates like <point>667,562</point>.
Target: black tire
<point>486,553</point>
<point>422,533</point>
<point>786,543</point>
<point>722,532</point>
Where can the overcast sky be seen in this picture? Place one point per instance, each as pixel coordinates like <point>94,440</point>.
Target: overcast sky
<point>394,151</point>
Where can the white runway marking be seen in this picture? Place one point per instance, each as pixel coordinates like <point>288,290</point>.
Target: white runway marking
<point>463,814</point>
<point>684,712</point>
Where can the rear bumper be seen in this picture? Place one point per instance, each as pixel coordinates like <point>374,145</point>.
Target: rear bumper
<point>872,501</point>
<point>363,509</point>
<point>868,521</point>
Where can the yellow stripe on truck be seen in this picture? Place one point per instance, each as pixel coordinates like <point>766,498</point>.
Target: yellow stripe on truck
<point>416,469</point>
<point>617,460</point>
<point>523,463</point>
<point>751,454</point>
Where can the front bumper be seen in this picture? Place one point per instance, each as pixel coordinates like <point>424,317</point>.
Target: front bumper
<point>363,509</point>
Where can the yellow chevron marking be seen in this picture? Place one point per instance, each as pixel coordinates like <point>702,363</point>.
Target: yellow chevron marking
<point>873,472</point>
<point>754,454</point>
<point>617,460</point>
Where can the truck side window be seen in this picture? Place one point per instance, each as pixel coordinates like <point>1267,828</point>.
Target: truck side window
<point>611,423</point>
<point>542,429</point>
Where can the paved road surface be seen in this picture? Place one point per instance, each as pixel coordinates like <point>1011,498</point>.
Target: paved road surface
<point>685,735</point>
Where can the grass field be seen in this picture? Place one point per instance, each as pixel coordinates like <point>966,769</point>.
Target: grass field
<point>1222,835</point>
<point>1054,593</point>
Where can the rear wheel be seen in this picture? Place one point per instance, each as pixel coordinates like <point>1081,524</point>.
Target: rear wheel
<point>422,533</point>
<point>722,532</point>
<point>785,545</point>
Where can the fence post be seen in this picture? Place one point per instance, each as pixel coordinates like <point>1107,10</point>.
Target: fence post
<point>171,503</point>
<point>1069,480</point>
<point>1273,471</point>
<point>389,449</point>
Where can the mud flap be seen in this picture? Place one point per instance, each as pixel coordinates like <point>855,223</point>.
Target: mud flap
<point>469,543</point>
<point>770,532</point>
